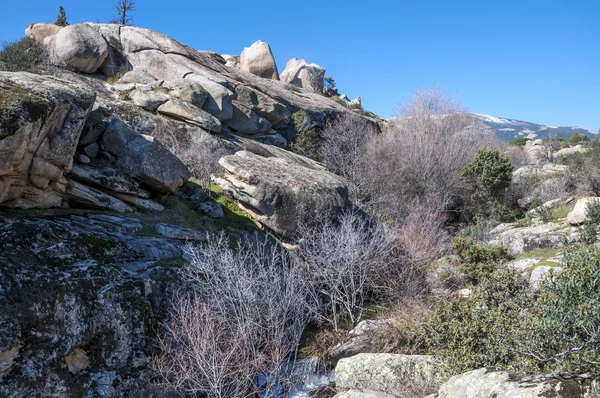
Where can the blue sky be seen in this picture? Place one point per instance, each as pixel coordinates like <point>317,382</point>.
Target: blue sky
<point>533,60</point>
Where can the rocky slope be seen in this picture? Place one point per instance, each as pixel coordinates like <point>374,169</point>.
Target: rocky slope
<point>83,288</point>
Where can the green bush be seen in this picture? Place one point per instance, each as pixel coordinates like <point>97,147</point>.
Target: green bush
<point>592,211</point>
<point>578,138</point>
<point>477,262</point>
<point>489,170</point>
<point>520,141</point>
<point>556,328</point>
<point>21,55</point>
<point>479,331</point>
<point>564,329</point>
<point>587,233</point>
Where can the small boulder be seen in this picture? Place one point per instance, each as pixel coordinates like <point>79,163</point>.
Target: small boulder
<point>258,60</point>
<point>213,209</point>
<point>78,47</point>
<point>137,77</point>
<point>387,373</point>
<point>542,273</point>
<point>578,214</point>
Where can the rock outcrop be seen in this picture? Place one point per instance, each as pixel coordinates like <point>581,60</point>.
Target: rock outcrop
<point>282,190</point>
<point>39,32</point>
<point>41,119</point>
<point>258,60</point>
<point>81,298</point>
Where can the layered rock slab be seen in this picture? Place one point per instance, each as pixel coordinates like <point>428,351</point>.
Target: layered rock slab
<point>283,190</point>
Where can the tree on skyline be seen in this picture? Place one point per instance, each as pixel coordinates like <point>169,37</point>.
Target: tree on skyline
<point>61,19</point>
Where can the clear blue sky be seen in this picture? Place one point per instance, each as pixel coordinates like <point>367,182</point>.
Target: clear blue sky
<point>534,60</point>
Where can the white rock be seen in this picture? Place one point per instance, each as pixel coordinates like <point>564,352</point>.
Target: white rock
<point>258,60</point>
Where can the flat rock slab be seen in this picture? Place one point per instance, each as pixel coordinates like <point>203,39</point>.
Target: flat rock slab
<point>191,114</point>
<point>173,232</point>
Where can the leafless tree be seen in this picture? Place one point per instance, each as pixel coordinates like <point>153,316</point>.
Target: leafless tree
<point>423,154</point>
<point>345,259</point>
<point>423,240</point>
<point>256,294</point>
<point>345,142</point>
<point>124,8</point>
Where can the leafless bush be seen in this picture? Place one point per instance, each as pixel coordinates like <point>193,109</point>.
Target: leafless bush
<point>199,152</point>
<point>422,239</point>
<point>519,155</point>
<point>204,354</point>
<point>345,142</point>
<point>346,260</point>
<point>256,294</point>
<point>423,154</point>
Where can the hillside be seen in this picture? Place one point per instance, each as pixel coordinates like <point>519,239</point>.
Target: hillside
<point>510,129</point>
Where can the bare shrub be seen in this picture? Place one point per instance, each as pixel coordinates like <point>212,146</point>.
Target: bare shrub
<point>519,155</point>
<point>346,260</point>
<point>423,154</point>
<point>422,239</point>
<point>257,294</point>
<point>203,354</point>
<point>199,152</point>
<point>344,144</point>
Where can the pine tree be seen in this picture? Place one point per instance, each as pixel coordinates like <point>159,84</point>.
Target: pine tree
<point>61,20</point>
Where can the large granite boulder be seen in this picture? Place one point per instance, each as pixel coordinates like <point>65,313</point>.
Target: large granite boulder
<point>485,383</point>
<point>39,32</point>
<point>78,47</point>
<point>41,119</point>
<point>395,374</point>
<point>283,190</point>
<point>258,60</point>
<point>302,74</point>
<point>144,158</point>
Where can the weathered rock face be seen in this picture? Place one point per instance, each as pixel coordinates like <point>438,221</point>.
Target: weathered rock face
<point>484,383</point>
<point>81,298</point>
<point>258,60</point>
<point>144,158</point>
<point>387,373</point>
<point>302,74</point>
<point>191,114</point>
<point>41,119</point>
<point>281,189</point>
<point>78,47</point>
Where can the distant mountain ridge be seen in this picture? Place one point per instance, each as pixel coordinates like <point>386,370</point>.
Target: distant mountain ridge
<point>510,129</point>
